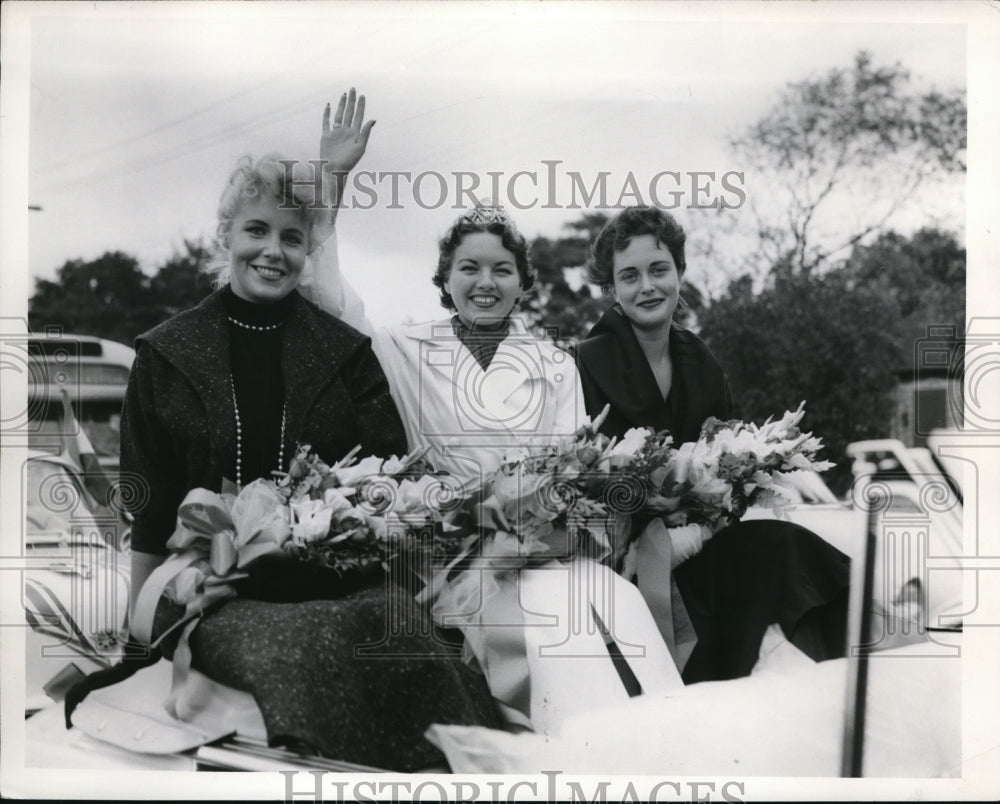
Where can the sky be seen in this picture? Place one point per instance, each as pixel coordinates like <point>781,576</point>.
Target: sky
<point>123,121</point>
<point>137,117</point>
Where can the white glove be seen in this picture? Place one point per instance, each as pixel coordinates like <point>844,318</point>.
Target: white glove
<point>685,542</point>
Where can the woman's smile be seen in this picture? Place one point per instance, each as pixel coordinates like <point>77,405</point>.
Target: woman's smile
<point>646,282</point>
<point>268,250</point>
<point>267,272</point>
<point>483,283</point>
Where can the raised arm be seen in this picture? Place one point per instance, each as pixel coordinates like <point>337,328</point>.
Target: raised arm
<point>325,286</point>
<point>341,146</point>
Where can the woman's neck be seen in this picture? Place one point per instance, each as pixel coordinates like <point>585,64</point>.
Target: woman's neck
<point>655,343</point>
<point>487,325</point>
<point>254,312</point>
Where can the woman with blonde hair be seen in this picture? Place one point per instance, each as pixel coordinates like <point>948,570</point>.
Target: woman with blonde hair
<point>227,390</point>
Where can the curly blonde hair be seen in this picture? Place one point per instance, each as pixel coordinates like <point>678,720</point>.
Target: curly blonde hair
<point>268,176</point>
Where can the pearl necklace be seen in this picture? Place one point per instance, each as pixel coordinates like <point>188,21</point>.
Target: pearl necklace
<point>254,327</point>
<point>239,438</point>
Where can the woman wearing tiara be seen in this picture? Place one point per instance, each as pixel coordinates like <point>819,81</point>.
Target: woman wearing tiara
<point>470,388</point>
<point>226,390</point>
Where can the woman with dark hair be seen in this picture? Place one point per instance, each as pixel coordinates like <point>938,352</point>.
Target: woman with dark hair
<point>472,388</point>
<point>656,374</point>
<point>478,378</point>
<point>227,390</point>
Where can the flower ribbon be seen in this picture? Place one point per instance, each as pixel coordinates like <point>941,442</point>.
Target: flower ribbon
<point>650,561</point>
<point>213,541</point>
<point>483,602</point>
<point>478,593</point>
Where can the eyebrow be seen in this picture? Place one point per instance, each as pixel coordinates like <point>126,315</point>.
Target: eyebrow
<point>473,261</point>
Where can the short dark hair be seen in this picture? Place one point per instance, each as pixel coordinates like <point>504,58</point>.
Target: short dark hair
<point>618,233</point>
<point>511,238</point>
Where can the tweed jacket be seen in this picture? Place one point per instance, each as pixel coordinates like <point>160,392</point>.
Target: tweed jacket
<point>614,369</point>
<point>178,423</point>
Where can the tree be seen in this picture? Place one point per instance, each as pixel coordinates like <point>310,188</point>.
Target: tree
<point>555,306</point>
<point>923,275</point>
<point>184,279</point>
<point>809,338</point>
<point>838,156</point>
<point>838,340</point>
<point>108,297</point>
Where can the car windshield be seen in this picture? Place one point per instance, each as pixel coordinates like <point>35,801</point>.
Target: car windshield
<point>54,500</point>
<point>100,421</point>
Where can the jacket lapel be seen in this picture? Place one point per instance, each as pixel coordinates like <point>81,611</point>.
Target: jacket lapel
<point>616,363</point>
<point>694,388</point>
<point>437,349</point>
<point>310,359</point>
<point>518,360</point>
<point>199,348</point>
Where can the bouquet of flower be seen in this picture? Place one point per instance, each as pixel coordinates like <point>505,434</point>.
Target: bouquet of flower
<point>732,466</point>
<point>692,491</point>
<point>554,500</point>
<point>353,514</point>
<point>349,515</point>
<point>543,505</point>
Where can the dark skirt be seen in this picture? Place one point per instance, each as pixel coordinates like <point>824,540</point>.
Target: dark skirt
<point>756,573</point>
<point>358,678</point>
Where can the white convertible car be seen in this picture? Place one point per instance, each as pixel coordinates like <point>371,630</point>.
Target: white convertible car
<point>75,590</point>
<point>787,719</point>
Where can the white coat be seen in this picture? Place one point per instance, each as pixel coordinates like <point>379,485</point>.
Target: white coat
<point>468,418</point>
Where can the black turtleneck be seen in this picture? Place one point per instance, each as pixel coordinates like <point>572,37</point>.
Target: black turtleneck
<point>482,340</point>
<point>255,357</point>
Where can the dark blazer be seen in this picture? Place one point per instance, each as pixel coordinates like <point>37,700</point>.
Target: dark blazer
<point>749,575</point>
<point>614,369</point>
<point>178,425</point>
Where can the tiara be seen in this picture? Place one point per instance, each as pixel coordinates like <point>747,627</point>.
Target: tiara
<point>486,213</point>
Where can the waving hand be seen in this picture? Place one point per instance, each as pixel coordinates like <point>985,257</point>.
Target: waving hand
<point>343,144</point>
